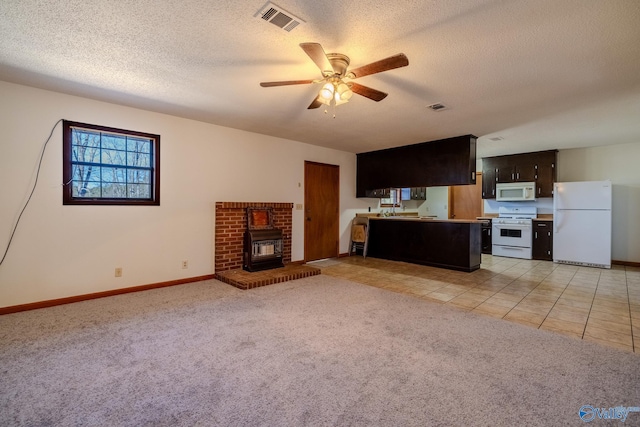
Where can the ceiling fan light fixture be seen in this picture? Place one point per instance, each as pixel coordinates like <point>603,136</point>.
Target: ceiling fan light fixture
<point>327,91</point>
<point>343,92</point>
<point>324,101</point>
<point>333,66</point>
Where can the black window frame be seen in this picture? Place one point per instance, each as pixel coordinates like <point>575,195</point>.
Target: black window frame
<point>67,167</point>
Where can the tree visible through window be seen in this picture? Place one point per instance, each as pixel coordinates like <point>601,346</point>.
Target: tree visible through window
<point>110,166</point>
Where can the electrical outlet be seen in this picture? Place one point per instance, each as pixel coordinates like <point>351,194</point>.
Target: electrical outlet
<point>118,272</point>
<point>185,264</point>
<point>299,206</point>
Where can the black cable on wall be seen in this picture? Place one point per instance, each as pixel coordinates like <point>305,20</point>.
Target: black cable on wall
<point>13,232</point>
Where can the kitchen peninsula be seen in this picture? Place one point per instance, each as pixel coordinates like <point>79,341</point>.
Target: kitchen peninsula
<point>451,244</point>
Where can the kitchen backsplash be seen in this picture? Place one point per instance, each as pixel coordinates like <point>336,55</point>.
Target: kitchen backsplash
<point>544,205</point>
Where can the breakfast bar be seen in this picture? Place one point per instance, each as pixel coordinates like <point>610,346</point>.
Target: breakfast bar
<point>451,244</point>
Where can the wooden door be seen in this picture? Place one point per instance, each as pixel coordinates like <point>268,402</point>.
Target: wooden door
<point>321,210</point>
<point>465,201</point>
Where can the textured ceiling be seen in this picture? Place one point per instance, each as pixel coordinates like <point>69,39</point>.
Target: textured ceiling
<point>540,74</point>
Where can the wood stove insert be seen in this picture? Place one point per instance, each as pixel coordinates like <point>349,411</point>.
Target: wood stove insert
<point>262,241</point>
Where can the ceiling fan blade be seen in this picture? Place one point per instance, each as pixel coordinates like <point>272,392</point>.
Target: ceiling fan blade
<point>367,92</point>
<point>317,55</point>
<point>315,104</point>
<point>286,83</point>
<point>396,61</point>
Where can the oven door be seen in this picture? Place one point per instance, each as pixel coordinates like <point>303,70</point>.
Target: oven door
<point>516,234</point>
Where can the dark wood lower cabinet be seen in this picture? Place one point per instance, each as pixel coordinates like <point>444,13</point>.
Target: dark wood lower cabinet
<point>486,238</point>
<point>542,247</point>
<point>454,245</point>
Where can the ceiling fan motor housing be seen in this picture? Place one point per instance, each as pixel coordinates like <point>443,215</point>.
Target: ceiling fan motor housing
<point>339,62</point>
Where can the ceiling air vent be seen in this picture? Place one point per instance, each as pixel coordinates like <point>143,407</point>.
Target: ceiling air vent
<point>437,107</point>
<point>279,17</point>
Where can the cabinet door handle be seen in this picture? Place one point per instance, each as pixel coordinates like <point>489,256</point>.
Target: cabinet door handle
<point>536,235</point>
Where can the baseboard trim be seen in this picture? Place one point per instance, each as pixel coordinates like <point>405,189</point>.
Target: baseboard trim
<point>626,263</point>
<point>85,297</point>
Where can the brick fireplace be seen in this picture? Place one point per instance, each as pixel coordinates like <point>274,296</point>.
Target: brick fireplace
<point>231,223</point>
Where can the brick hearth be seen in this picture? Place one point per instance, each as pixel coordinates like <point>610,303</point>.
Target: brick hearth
<point>246,280</point>
<point>231,223</point>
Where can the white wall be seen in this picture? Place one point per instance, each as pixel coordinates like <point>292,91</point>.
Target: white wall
<point>437,203</point>
<point>621,164</point>
<point>61,251</point>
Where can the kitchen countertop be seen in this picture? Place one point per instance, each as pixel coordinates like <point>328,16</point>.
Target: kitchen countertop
<point>378,215</point>
<point>399,218</point>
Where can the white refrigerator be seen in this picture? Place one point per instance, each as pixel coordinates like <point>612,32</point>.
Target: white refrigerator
<point>582,223</point>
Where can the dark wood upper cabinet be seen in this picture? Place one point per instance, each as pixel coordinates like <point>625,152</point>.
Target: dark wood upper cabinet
<point>488,180</point>
<point>450,161</point>
<point>418,193</point>
<point>546,176</point>
<point>538,167</point>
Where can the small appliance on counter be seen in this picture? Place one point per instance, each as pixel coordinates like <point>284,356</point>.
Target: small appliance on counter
<point>582,223</point>
<point>512,232</point>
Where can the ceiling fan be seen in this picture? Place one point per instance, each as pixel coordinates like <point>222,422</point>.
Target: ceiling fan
<point>336,90</point>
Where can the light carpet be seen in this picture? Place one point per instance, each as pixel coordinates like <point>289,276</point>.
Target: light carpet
<point>318,351</point>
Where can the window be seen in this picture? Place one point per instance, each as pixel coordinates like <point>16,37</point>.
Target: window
<point>392,200</point>
<point>106,166</point>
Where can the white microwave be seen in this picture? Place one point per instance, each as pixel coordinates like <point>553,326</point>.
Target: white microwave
<point>515,191</point>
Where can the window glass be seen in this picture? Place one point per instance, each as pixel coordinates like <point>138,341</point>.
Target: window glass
<point>110,166</point>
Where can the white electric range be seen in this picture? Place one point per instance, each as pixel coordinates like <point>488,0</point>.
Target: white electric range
<point>512,232</point>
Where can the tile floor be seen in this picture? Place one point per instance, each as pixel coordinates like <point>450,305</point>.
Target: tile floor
<point>593,304</point>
